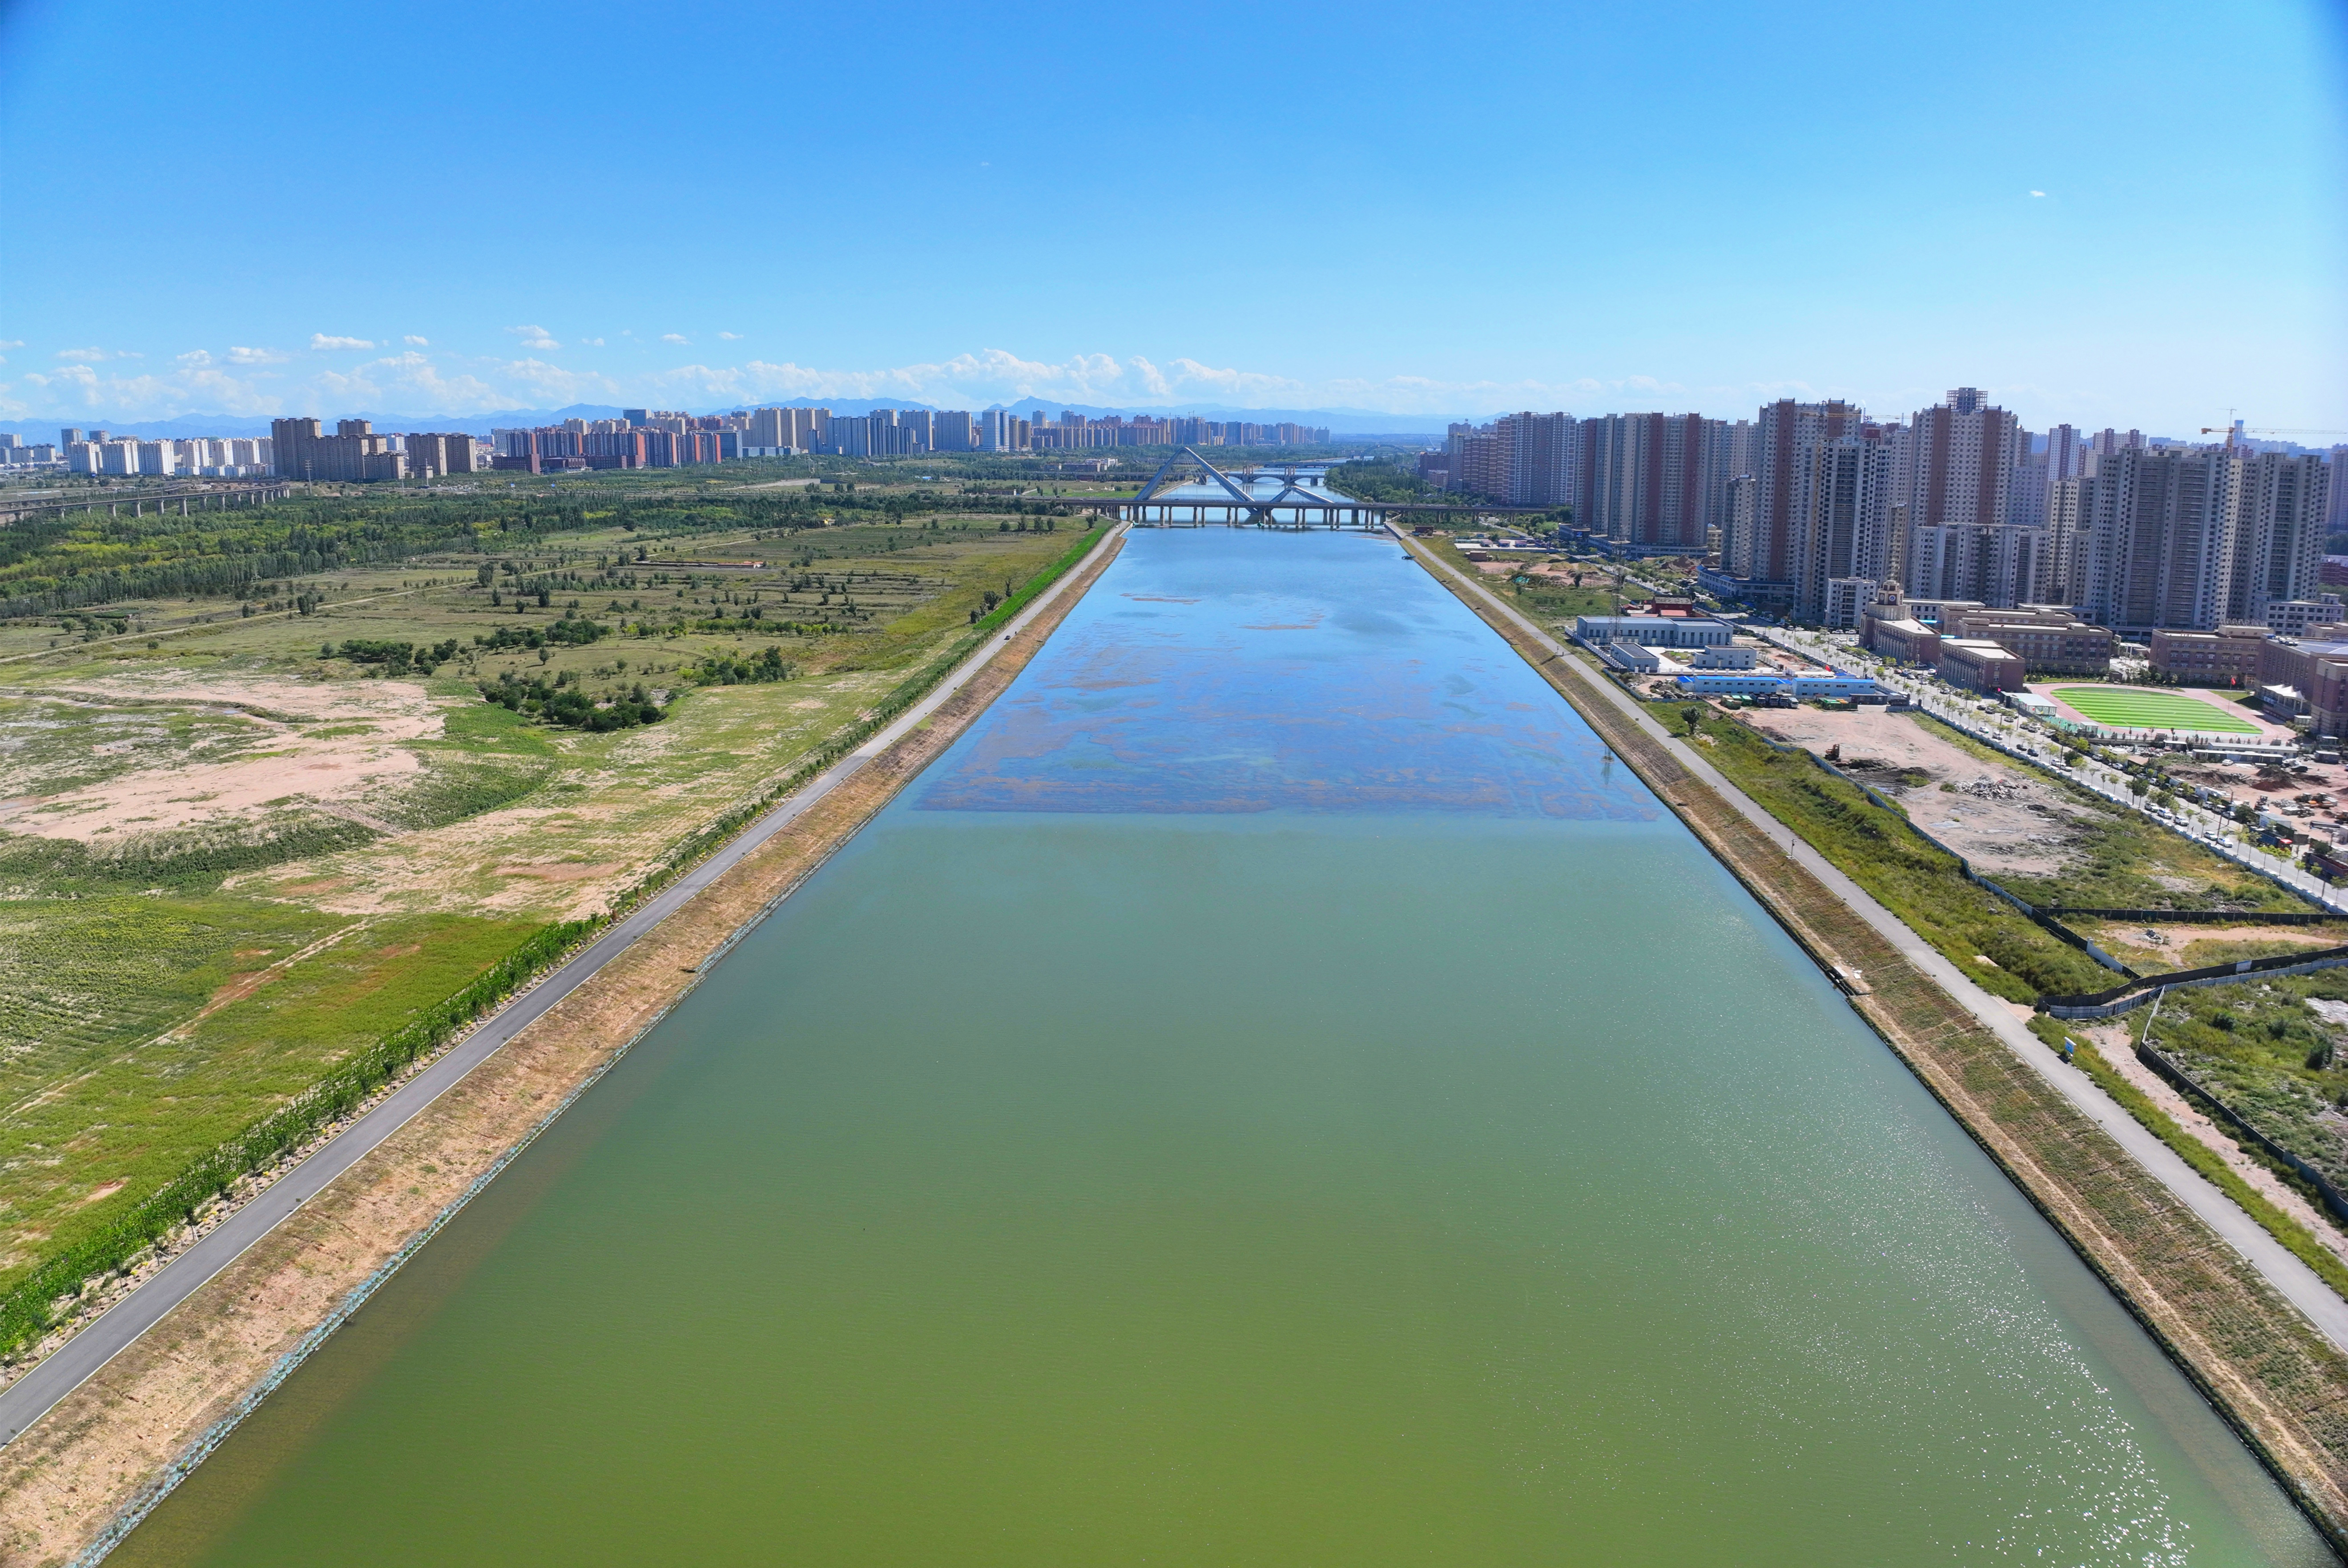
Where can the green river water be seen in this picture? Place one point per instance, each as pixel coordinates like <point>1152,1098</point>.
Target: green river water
<point>1276,1093</point>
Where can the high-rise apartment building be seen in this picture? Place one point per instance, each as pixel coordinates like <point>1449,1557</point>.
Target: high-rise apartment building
<point>2063,578</point>
<point>1961,461</point>
<point>353,453</point>
<point>1479,466</point>
<point>1784,434</point>
<point>1648,480</point>
<point>431,454</point>
<point>956,432</point>
<point>2160,536</point>
<point>2279,522</point>
<point>1848,491</point>
<point>1537,452</point>
<point>1000,430</point>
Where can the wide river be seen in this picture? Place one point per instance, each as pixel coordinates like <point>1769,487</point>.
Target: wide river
<point>1275,1092</point>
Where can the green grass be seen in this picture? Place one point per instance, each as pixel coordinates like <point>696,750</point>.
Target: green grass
<point>2204,1160</point>
<point>2261,1048</point>
<point>104,1131</point>
<point>1877,849</point>
<point>96,1126</point>
<point>2132,708</point>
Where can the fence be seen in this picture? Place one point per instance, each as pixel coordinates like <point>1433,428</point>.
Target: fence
<point>2126,998</point>
<point>2041,917</point>
<point>2151,1057</point>
<point>2200,917</point>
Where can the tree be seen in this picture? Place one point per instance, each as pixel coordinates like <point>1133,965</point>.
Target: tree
<point>1694,714</point>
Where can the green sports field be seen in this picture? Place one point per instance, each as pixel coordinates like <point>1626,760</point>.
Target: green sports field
<point>2128,708</point>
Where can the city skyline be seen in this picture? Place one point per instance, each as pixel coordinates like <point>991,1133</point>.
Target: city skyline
<point>1581,210</point>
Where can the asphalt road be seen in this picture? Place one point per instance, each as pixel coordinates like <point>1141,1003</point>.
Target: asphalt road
<point>2300,1285</point>
<point>31,1396</point>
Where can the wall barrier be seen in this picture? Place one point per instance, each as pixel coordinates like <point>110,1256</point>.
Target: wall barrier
<point>2125,998</point>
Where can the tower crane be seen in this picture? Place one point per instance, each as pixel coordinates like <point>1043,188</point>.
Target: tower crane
<point>2230,431</point>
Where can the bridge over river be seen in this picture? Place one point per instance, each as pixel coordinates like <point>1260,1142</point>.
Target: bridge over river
<point>1188,491</point>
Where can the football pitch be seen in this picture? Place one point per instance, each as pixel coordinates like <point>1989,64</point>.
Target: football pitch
<point>2128,708</point>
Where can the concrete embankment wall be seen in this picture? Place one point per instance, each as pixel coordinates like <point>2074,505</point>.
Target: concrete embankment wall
<point>2263,1365</point>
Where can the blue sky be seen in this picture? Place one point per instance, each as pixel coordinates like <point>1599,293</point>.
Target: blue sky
<point>2126,214</point>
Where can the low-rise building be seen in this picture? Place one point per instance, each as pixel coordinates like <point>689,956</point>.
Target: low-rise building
<point>2225,657</point>
<point>2317,671</point>
<point>1847,597</point>
<point>2031,705</point>
<point>1904,642</point>
<point>1653,630</point>
<point>2298,617</point>
<point>2047,639</point>
<point>1803,686</point>
<point>1977,664</point>
<point>1723,658</point>
<point>1624,654</point>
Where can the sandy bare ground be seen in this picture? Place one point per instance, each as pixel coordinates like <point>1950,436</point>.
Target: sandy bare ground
<point>2000,817</point>
<point>323,771</point>
<point>116,1441</point>
<point>2125,940</point>
<point>2111,1039</point>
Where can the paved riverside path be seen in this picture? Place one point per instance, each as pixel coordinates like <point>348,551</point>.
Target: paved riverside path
<point>31,1396</point>
<point>2297,1283</point>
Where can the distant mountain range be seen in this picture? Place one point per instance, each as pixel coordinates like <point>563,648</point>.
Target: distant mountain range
<point>1340,420</point>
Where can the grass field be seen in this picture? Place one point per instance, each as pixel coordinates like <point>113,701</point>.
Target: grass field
<point>231,857</point>
<point>2131,708</point>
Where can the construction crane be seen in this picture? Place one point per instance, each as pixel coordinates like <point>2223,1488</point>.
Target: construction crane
<point>2230,431</point>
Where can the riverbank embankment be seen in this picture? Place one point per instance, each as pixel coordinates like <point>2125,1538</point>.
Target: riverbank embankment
<point>2283,1383</point>
<point>107,1450</point>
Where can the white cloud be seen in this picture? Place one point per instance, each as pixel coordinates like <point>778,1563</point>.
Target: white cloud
<point>13,342</point>
<point>534,337</point>
<point>321,342</point>
<point>412,341</point>
<point>674,337</point>
<point>2038,193</point>
<point>593,342</point>
<point>245,381</point>
<point>731,337</point>
<point>95,356</point>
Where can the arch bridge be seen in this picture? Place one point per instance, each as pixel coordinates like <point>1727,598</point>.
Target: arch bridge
<point>1235,505</point>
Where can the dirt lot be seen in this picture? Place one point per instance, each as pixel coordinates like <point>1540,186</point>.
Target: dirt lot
<point>1996,815</point>
<point>161,787</point>
<point>2189,947</point>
